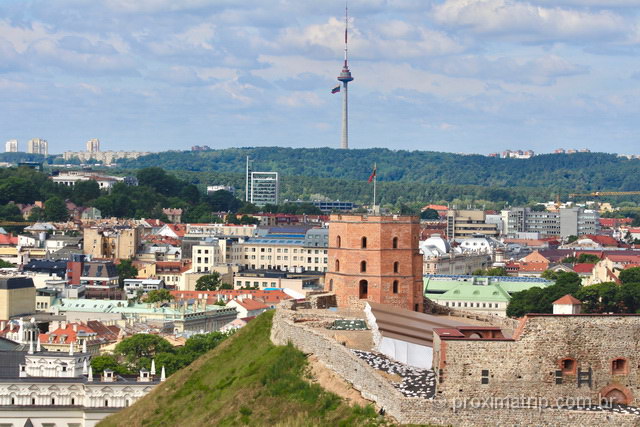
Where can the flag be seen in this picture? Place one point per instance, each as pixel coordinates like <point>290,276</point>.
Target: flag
<point>335,89</point>
<point>373,174</point>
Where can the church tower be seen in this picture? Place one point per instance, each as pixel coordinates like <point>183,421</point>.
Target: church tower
<point>375,258</point>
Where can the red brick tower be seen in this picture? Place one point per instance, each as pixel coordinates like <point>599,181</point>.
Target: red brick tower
<point>375,258</point>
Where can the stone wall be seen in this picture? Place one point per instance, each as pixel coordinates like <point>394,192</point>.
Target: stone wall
<point>296,327</point>
<point>528,365</point>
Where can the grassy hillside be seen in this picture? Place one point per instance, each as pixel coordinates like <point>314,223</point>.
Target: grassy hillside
<point>245,381</point>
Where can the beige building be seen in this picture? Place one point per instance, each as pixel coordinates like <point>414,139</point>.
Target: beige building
<point>278,254</point>
<point>38,146</point>
<point>107,157</point>
<point>112,242</point>
<point>215,230</point>
<point>17,297</point>
<point>299,282</point>
<point>462,224</point>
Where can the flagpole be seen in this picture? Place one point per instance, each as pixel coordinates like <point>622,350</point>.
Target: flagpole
<point>375,178</point>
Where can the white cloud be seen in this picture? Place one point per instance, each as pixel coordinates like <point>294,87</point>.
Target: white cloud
<point>300,99</point>
<point>524,21</point>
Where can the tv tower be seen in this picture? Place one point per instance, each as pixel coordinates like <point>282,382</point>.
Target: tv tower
<point>345,77</point>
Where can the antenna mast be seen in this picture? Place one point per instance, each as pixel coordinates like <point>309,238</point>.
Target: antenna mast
<point>345,77</point>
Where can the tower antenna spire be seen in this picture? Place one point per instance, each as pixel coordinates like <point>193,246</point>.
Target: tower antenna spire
<point>345,77</point>
<point>346,32</point>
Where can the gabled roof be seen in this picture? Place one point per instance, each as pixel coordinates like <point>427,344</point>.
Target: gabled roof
<point>250,304</point>
<point>567,300</point>
<point>583,267</point>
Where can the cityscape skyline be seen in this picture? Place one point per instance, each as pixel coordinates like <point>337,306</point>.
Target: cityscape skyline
<point>453,75</point>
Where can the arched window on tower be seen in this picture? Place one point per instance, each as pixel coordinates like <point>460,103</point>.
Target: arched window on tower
<point>363,288</point>
<point>337,265</point>
<point>338,242</point>
<point>395,243</point>
<point>396,267</point>
<point>395,286</point>
<point>363,266</point>
<point>364,243</point>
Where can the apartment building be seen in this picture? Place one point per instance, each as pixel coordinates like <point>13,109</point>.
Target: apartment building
<point>462,224</point>
<point>568,221</point>
<point>289,252</point>
<point>119,242</point>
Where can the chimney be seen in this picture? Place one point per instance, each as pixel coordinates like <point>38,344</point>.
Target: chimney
<point>75,327</point>
<point>3,325</point>
<point>63,324</point>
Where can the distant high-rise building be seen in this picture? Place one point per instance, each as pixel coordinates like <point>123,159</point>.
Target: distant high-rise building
<point>264,188</point>
<point>11,146</point>
<point>261,188</point>
<point>93,145</point>
<point>38,146</point>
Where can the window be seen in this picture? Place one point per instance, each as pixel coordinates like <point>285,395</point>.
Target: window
<point>331,285</point>
<point>395,243</point>
<point>363,266</point>
<point>395,287</point>
<point>619,366</point>
<point>485,377</point>
<point>363,289</point>
<point>338,242</point>
<point>396,266</point>
<point>364,243</point>
<point>568,366</point>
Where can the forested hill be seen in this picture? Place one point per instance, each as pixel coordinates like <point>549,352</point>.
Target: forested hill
<point>572,172</point>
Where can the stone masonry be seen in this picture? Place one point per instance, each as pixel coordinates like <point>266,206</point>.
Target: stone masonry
<point>294,324</point>
<point>546,357</point>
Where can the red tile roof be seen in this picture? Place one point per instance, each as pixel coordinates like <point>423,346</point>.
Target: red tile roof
<point>583,267</point>
<point>8,239</point>
<point>567,300</point>
<point>603,240</point>
<point>250,304</point>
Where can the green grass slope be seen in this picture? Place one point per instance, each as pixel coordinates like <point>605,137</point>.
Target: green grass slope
<point>245,381</point>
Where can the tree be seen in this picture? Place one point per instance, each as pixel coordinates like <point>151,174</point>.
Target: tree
<point>538,208</point>
<point>55,209</point>
<point>85,191</point>
<point>540,300</point>
<point>429,214</point>
<point>5,264</point>
<point>126,270</point>
<point>139,349</point>
<point>572,238</point>
<point>630,275</point>
<point>159,295</point>
<point>209,282</point>
<point>107,361</point>
<point>36,214</point>
<point>246,219</point>
<point>10,212</point>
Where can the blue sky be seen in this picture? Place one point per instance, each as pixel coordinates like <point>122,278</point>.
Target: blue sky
<point>450,75</point>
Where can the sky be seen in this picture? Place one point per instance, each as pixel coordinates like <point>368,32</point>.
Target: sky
<point>470,76</point>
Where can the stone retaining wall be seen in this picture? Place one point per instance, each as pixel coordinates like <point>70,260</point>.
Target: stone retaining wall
<point>290,326</point>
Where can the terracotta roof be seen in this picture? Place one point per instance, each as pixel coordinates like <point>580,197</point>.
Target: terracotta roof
<point>583,267</point>
<point>67,335</point>
<point>567,300</point>
<point>603,240</point>
<point>251,304</point>
<point>8,239</point>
